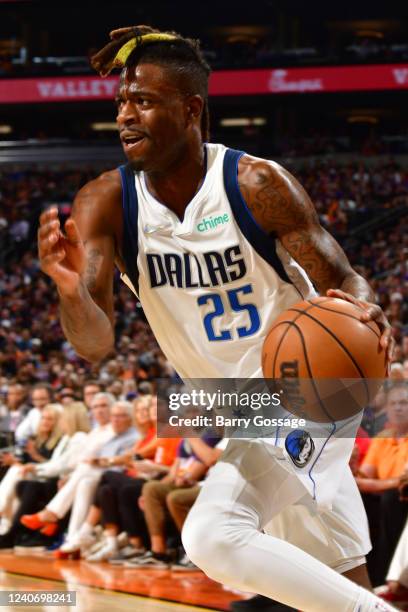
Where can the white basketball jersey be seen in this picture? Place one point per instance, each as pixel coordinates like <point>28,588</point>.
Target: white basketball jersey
<point>211,285</point>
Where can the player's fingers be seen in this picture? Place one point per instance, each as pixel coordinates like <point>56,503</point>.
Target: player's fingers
<point>49,215</point>
<point>391,347</point>
<point>44,246</point>
<point>47,244</point>
<point>342,295</point>
<point>373,313</point>
<point>143,29</point>
<point>386,339</point>
<point>119,32</point>
<point>48,228</point>
<point>72,232</point>
<point>334,292</point>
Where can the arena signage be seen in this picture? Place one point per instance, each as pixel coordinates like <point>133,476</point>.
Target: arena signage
<point>222,83</point>
<point>309,80</point>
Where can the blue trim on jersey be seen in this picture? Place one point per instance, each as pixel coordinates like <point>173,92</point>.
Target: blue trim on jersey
<point>317,458</point>
<point>130,209</point>
<point>263,243</point>
<point>205,173</point>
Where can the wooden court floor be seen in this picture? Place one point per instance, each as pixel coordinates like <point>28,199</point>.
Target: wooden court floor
<point>102,587</point>
<point>88,599</point>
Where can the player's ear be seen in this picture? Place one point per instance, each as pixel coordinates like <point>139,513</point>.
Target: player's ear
<point>194,107</point>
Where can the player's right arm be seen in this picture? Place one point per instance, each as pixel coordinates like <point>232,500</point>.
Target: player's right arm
<point>81,260</point>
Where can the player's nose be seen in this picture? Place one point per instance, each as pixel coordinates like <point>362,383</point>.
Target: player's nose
<point>127,114</point>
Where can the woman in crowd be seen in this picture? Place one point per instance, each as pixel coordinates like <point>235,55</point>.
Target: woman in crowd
<point>78,490</point>
<point>38,482</point>
<point>116,500</point>
<point>379,479</point>
<point>106,456</point>
<point>85,479</point>
<point>37,450</point>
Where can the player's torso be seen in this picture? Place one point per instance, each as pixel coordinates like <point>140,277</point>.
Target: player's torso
<point>212,284</point>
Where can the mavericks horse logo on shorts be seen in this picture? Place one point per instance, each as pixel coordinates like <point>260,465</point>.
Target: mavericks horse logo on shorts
<point>300,447</point>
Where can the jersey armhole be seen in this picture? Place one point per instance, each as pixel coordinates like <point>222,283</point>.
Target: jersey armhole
<point>263,243</point>
<point>130,248</point>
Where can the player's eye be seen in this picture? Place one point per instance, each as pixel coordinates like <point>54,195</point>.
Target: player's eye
<point>143,101</point>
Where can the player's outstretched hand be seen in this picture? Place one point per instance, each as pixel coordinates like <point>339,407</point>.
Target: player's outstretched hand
<point>373,312</point>
<point>62,256</point>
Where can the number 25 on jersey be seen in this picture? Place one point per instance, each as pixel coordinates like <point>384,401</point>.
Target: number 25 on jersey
<point>231,301</point>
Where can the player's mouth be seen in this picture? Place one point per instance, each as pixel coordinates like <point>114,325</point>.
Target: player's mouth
<point>132,141</point>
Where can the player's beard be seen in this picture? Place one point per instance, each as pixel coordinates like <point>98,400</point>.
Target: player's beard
<point>137,165</point>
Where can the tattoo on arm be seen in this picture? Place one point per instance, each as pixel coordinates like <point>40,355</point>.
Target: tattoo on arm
<point>87,319</point>
<point>93,264</point>
<point>282,207</point>
<point>86,326</point>
<point>319,255</point>
<point>276,201</point>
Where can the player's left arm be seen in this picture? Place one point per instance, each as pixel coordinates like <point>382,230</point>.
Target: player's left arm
<point>282,207</point>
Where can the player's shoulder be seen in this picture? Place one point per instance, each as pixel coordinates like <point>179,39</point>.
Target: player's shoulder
<point>102,194</point>
<point>106,185</point>
<point>256,170</point>
<point>98,205</point>
<point>269,190</point>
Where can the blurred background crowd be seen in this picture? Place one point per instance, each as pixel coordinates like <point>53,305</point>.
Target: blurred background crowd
<point>363,206</point>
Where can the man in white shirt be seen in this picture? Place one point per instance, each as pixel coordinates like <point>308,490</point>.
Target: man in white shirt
<point>40,397</point>
<point>15,408</point>
<point>79,490</point>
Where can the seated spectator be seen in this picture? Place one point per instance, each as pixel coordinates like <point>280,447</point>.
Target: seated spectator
<point>38,450</point>
<point>379,478</point>
<point>89,390</point>
<point>89,474</point>
<point>144,419</point>
<point>388,453</point>
<point>38,481</point>
<point>15,409</point>
<point>397,575</point>
<point>87,477</point>
<point>186,472</point>
<point>78,490</point>
<point>66,396</point>
<point>40,396</point>
<point>119,490</point>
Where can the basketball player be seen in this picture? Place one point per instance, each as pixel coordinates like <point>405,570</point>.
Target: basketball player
<point>216,244</point>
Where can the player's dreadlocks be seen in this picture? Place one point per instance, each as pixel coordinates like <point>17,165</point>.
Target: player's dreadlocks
<point>183,56</point>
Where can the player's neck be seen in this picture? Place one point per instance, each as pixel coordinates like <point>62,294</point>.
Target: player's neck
<point>176,186</point>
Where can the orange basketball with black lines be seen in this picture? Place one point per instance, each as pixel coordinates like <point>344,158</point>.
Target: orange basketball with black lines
<point>323,340</point>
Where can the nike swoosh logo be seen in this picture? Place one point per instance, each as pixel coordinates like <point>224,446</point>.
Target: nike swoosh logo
<point>150,229</point>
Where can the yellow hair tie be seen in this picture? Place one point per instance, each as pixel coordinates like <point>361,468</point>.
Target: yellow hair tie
<point>124,52</point>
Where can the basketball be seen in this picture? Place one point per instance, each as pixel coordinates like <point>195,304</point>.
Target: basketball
<point>335,359</point>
